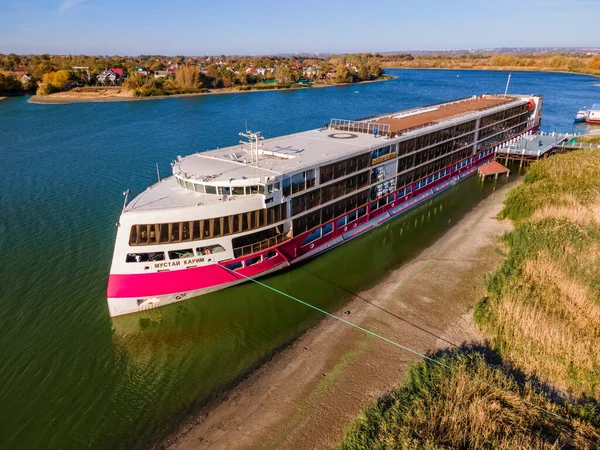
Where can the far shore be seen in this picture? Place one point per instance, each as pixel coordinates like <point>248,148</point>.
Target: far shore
<point>499,69</point>
<point>2,98</point>
<point>61,98</point>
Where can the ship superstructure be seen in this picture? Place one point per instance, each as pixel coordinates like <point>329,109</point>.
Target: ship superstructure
<point>264,204</point>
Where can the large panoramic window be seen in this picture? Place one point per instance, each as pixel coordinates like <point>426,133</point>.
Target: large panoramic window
<point>164,233</point>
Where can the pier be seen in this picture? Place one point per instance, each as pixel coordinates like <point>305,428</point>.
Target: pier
<point>532,147</point>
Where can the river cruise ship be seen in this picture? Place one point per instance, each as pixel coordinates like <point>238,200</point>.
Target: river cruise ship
<point>241,212</point>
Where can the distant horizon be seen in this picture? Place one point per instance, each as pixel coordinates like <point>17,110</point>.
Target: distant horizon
<point>582,50</point>
<point>188,27</point>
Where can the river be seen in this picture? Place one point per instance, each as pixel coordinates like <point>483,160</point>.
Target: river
<point>70,377</point>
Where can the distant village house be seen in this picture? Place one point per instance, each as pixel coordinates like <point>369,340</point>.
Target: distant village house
<point>112,75</point>
<point>19,71</point>
<point>26,80</point>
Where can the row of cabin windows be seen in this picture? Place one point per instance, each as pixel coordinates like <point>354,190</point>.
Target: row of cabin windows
<point>428,174</point>
<point>427,140</point>
<point>237,265</point>
<point>432,178</point>
<point>327,213</point>
<point>341,168</point>
<point>485,153</point>
<point>163,233</point>
<point>501,126</point>
<point>432,167</point>
<point>463,163</point>
<point>173,254</point>
<point>501,137</point>
<point>445,134</point>
<point>325,194</point>
<point>351,217</point>
<point>299,182</point>
<point>434,152</point>
<point>507,113</point>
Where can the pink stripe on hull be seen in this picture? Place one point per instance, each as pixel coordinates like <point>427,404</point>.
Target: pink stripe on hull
<point>182,280</point>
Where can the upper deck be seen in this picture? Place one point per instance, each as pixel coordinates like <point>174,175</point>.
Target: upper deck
<point>420,117</point>
<point>247,169</point>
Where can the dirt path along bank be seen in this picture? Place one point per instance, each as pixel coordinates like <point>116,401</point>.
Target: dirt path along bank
<point>307,395</point>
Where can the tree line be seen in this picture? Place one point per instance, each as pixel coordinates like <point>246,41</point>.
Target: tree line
<point>568,62</point>
<point>191,74</point>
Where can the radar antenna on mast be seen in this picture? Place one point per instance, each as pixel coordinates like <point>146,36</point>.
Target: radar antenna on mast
<point>251,146</point>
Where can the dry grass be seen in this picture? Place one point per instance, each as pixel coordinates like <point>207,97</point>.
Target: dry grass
<point>582,165</point>
<point>459,408</point>
<point>550,328</point>
<point>543,305</point>
<point>571,210</point>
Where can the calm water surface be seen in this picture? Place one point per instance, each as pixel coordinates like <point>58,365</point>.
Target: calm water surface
<point>70,377</point>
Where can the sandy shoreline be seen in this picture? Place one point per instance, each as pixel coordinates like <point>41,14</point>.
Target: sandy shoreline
<point>62,99</point>
<point>309,393</point>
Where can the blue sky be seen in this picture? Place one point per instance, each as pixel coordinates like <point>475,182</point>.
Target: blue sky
<point>187,27</point>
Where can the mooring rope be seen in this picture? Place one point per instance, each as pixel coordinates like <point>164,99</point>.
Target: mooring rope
<point>389,341</point>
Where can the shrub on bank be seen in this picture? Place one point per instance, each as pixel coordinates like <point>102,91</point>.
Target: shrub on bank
<point>471,404</point>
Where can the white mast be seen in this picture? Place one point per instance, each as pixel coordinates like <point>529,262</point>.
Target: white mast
<point>252,145</point>
<point>507,83</point>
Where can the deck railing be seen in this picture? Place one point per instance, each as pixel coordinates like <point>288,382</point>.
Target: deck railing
<point>258,246</point>
<point>353,126</point>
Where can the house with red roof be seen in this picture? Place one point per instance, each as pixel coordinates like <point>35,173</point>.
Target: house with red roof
<point>108,75</point>
<point>19,71</point>
<point>119,71</point>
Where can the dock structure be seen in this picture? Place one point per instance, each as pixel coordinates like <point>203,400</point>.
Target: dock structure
<point>493,168</point>
<point>531,147</point>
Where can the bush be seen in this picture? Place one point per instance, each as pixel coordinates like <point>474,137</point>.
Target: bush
<point>471,404</point>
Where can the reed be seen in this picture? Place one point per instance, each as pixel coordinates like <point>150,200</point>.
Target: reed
<point>458,408</point>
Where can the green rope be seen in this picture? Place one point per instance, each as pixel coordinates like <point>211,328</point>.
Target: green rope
<point>389,341</point>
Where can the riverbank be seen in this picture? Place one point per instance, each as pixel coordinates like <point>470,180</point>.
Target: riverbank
<point>119,94</point>
<point>307,395</point>
<point>534,383</point>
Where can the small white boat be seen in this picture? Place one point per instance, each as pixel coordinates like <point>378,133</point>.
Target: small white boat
<point>581,115</point>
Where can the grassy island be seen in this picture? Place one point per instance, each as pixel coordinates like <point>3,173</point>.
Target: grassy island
<point>536,383</point>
